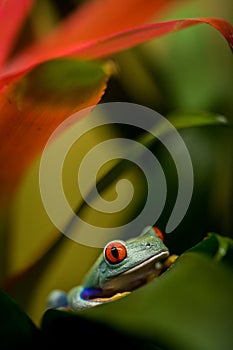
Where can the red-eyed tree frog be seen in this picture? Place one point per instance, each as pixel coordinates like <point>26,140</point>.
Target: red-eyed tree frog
<point>122,267</point>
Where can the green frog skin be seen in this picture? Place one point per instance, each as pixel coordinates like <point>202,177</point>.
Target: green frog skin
<point>122,267</point>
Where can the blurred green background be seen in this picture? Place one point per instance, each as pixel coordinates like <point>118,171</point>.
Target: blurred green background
<point>186,72</point>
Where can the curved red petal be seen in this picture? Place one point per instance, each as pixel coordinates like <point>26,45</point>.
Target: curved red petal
<point>12,15</point>
<point>111,44</point>
<point>95,20</point>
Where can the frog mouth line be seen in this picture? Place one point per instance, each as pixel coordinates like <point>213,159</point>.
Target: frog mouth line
<point>132,279</point>
<point>146,262</point>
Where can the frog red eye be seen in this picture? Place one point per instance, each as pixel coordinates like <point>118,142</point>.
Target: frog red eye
<point>158,233</point>
<point>115,252</point>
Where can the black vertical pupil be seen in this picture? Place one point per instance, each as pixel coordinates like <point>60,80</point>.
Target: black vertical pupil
<point>115,252</point>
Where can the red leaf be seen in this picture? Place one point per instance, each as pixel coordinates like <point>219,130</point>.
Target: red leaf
<point>28,119</point>
<point>12,15</point>
<point>108,45</point>
<point>132,37</point>
<point>32,108</point>
<point>93,21</point>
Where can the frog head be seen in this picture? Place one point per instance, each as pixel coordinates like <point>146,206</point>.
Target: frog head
<point>125,265</point>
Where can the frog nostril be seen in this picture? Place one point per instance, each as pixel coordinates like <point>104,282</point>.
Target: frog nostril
<point>148,245</point>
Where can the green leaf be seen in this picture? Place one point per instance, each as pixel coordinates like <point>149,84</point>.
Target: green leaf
<point>58,326</point>
<point>188,307</point>
<point>65,76</point>
<point>16,328</point>
<point>183,120</point>
<point>196,119</point>
<point>218,247</point>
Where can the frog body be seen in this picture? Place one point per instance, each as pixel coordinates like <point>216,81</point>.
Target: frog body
<point>122,267</point>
